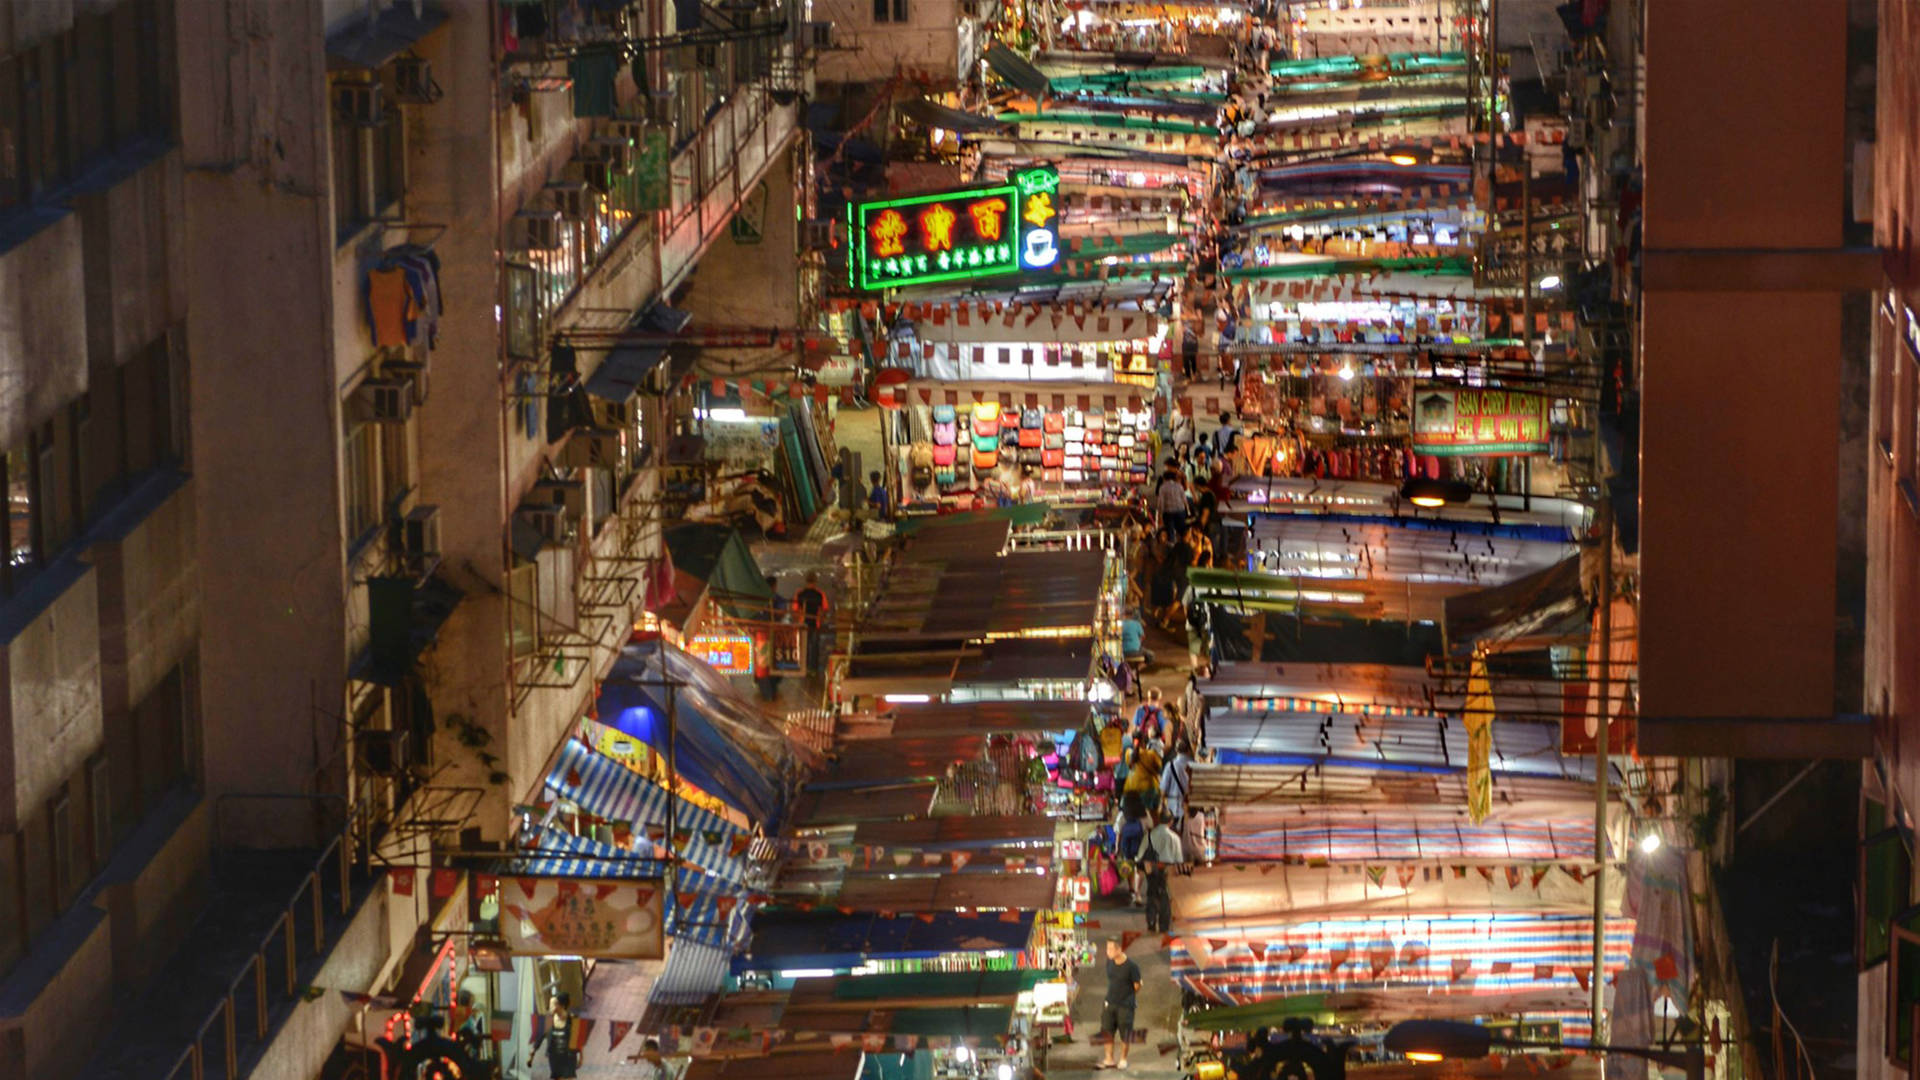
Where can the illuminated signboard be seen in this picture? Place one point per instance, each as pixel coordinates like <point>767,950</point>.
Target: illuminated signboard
<point>1480,422</point>
<point>955,235</point>
<point>728,654</point>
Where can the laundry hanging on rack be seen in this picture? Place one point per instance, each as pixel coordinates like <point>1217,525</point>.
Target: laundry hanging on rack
<point>402,295</point>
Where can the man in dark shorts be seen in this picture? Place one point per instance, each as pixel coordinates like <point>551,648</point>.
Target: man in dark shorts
<point>1116,1017</point>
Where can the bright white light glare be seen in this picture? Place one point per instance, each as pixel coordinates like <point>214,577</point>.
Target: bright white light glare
<point>1650,843</point>
<point>1551,281</point>
<point>906,699</point>
<point>728,416</point>
<point>961,1053</point>
<point>1346,372</point>
<point>1004,1072</point>
<point>806,973</point>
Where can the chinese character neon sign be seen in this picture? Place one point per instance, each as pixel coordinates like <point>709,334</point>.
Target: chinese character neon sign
<point>955,235</point>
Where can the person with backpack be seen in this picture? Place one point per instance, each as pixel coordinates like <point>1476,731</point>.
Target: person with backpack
<point>1159,852</point>
<point>810,603</point>
<point>1170,499</point>
<point>1129,833</point>
<point>1150,718</point>
<point>1176,779</point>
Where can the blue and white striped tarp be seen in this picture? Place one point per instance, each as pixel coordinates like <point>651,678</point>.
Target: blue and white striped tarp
<point>693,973</point>
<point>701,907</point>
<point>605,788</point>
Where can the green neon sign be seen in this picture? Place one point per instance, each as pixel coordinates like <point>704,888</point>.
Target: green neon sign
<point>956,235</point>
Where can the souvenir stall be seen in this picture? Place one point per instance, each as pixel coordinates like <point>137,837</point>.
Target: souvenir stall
<point>954,1015</point>
<point>871,943</point>
<point>1028,440</point>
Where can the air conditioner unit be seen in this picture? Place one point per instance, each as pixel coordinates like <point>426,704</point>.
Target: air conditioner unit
<point>599,175</point>
<point>569,495</point>
<point>536,230</point>
<point>420,540</point>
<point>413,371</point>
<point>616,150</point>
<point>550,520</point>
<point>612,414</point>
<point>571,198</point>
<point>818,235</point>
<point>594,447</point>
<point>383,752</point>
<point>820,35</point>
<point>359,103</point>
<point>383,401</point>
<point>413,81</point>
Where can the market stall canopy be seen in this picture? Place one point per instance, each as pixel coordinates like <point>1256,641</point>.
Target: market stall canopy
<point>620,373</point>
<point>921,988</point>
<point>717,558</point>
<point>953,1021</point>
<point>372,42</point>
<point>1546,605</point>
<point>1418,957</point>
<point>1404,834</point>
<point>607,789</point>
<point>951,833</point>
<point>914,893</point>
<point>1321,689</point>
<point>1024,593</point>
<point>1017,71</point>
<point>700,907</point>
<point>851,805</point>
<point>889,762</point>
<point>934,114</point>
<point>1408,745</point>
<point>783,939</point>
<point>1222,785</point>
<point>787,1064</point>
<point>942,719</point>
<point>723,743</point>
<point>1224,897</point>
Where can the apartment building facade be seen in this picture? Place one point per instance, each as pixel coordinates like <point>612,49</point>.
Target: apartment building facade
<point>350,583</point>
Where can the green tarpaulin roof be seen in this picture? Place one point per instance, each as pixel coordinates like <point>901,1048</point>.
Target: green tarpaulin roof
<point>1020,514</point>
<point>717,555</point>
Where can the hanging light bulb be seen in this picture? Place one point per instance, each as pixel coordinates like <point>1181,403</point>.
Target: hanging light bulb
<point>1650,843</point>
<point>1004,1072</point>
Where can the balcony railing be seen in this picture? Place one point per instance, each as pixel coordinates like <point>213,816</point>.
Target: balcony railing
<point>268,983</point>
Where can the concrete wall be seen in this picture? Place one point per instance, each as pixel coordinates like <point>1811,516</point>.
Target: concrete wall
<point>43,340</point>
<point>928,43</point>
<point>1741,392</point>
<point>57,1030</point>
<point>264,406</point>
<point>50,718</point>
<point>311,1033</point>
<point>134,291</point>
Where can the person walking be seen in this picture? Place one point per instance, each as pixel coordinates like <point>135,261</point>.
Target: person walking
<point>810,603</point>
<point>563,1055</point>
<point>1170,499</point>
<point>1150,717</point>
<point>1176,778</point>
<point>1160,852</point>
<point>1116,1015</point>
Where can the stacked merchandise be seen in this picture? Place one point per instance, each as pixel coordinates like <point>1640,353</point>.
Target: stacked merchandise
<point>970,443</point>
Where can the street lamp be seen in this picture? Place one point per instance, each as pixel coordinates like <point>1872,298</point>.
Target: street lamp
<point>1438,1040</point>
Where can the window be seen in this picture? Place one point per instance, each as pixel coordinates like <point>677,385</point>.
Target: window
<point>1903,985</point>
<point>23,553</point>
<point>92,86</point>
<point>160,727</point>
<point>1886,873</point>
<point>1886,361</point>
<point>60,834</point>
<point>99,811</point>
<point>396,461</point>
<point>369,165</point>
<point>362,463</point>
<point>80,429</point>
<point>13,151</point>
<point>890,11</point>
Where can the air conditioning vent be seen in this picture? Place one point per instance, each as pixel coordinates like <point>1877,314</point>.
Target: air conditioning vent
<point>571,198</point>
<point>383,401</point>
<point>413,371</point>
<point>536,230</point>
<point>592,447</point>
<point>612,414</point>
<point>616,150</point>
<point>413,81</point>
<point>420,540</point>
<point>569,495</point>
<point>359,103</point>
<point>550,520</point>
<point>382,752</point>
<point>600,175</point>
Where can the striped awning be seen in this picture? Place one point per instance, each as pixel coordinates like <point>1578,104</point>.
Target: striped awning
<point>605,788</point>
<point>701,907</point>
<point>1480,955</point>
<point>693,973</point>
<point>1248,833</point>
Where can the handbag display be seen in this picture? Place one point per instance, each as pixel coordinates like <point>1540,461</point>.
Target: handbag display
<point>943,414</point>
<point>943,433</point>
<point>1030,437</point>
<point>942,454</point>
<point>1053,440</point>
<point>1050,476</point>
<point>1053,423</point>
<point>1052,458</point>
<point>986,460</point>
<point>1030,418</point>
